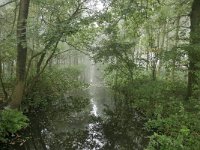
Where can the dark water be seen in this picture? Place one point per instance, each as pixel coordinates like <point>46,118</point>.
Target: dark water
<point>86,119</point>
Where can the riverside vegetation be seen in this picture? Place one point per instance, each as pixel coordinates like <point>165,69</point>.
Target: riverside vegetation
<point>147,50</point>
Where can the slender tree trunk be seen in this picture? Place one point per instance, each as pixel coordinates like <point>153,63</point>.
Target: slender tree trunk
<point>21,54</point>
<point>194,52</point>
<point>175,48</point>
<point>167,72</point>
<point>148,60</point>
<point>11,68</point>
<point>1,82</point>
<point>162,48</point>
<point>154,74</point>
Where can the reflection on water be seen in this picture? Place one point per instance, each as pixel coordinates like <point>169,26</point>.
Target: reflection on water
<point>95,132</point>
<point>94,108</point>
<point>79,122</point>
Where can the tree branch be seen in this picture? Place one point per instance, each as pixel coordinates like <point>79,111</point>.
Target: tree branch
<point>7,3</point>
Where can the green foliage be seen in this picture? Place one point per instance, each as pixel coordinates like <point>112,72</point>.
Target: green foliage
<point>163,142</point>
<point>172,122</point>
<point>137,39</point>
<point>170,133</point>
<point>53,84</point>
<point>11,121</point>
<point>179,129</point>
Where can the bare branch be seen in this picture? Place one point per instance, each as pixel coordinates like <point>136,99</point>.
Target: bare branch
<point>7,3</point>
<point>77,49</point>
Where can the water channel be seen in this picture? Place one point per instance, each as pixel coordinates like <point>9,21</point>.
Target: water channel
<point>88,128</point>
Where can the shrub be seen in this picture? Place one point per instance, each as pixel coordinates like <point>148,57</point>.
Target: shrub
<point>11,121</point>
<point>52,85</point>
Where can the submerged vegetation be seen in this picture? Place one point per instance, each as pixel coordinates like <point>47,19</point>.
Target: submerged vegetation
<point>100,74</point>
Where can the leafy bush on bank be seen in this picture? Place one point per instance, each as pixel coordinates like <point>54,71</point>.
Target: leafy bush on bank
<point>11,121</point>
<point>52,85</point>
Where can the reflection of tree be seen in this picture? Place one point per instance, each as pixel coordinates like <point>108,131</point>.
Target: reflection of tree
<point>123,130</point>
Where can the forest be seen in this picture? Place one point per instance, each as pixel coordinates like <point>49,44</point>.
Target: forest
<point>100,74</point>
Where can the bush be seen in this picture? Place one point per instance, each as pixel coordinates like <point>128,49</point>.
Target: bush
<point>177,130</point>
<point>11,121</point>
<point>172,122</point>
<point>52,85</point>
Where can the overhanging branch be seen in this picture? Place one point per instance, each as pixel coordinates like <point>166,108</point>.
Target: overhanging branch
<point>2,5</point>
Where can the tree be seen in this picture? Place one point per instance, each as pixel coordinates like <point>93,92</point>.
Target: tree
<point>194,51</point>
<point>21,53</point>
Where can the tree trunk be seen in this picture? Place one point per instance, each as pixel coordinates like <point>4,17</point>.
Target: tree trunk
<point>194,51</point>
<point>5,96</point>
<point>162,47</point>
<point>21,54</point>
<point>175,48</point>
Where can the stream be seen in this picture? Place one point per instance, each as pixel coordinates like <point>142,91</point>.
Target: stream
<point>85,127</point>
